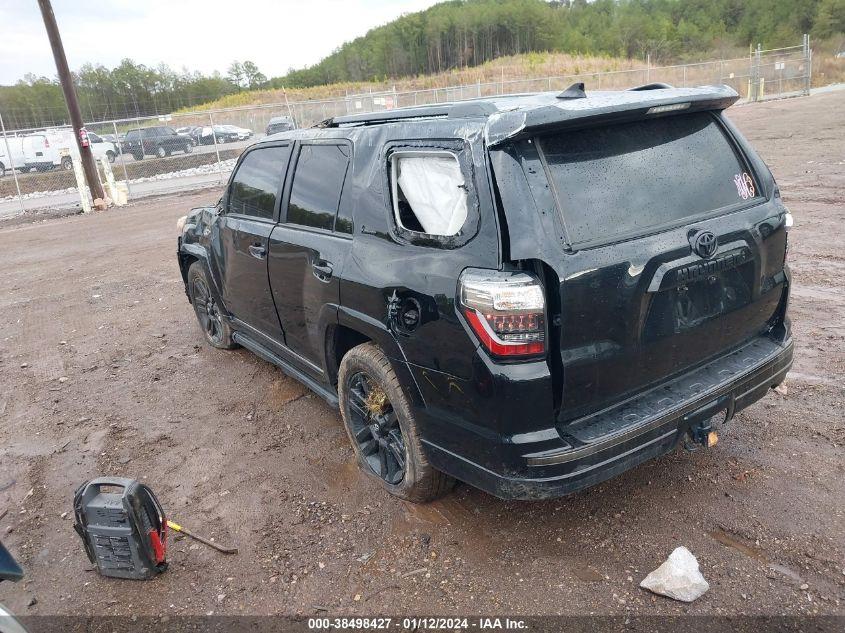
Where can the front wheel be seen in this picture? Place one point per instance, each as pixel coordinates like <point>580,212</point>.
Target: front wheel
<point>110,156</point>
<point>382,429</point>
<point>161,152</point>
<point>217,332</point>
<point>189,147</point>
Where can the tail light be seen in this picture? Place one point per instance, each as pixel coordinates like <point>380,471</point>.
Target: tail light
<point>46,142</point>
<point>788,220</point>
<point>505,310</point>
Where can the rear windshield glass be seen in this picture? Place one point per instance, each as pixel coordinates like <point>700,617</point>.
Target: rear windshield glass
<point>621,180</point>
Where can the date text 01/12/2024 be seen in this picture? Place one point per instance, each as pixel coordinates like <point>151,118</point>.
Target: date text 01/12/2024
<point>416,623</point>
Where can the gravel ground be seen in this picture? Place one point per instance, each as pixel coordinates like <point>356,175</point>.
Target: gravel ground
<point>103,371</point>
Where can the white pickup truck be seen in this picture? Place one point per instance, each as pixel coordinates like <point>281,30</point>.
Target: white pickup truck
<point>49,149</point>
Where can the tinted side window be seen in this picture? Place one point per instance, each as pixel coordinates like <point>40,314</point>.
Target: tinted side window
<point>131,135</point>
<point>255,185</point>
<point>317,185</point>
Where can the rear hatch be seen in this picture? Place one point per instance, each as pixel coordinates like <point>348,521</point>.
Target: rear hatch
<point>661,252</point>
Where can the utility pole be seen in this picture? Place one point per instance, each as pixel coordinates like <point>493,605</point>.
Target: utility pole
<point>70,98</point>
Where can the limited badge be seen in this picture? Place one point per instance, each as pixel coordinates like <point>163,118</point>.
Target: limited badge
<point>744,185</point>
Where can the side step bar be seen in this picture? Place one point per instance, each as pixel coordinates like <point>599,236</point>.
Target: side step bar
<point>262,352</point>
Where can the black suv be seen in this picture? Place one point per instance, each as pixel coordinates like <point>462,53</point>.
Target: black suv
<point>159,141</point>
<point>529,293</point>
<point>280,124</point>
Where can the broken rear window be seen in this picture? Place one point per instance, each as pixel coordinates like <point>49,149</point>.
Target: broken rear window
<point>622,180</point>
<point>429,192</point>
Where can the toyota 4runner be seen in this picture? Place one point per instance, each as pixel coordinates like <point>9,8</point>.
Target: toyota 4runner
<point>528,293</point>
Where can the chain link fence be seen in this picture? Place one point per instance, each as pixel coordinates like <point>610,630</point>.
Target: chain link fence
<point>185,151</point>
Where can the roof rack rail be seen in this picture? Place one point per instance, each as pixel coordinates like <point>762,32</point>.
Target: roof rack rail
<point>657,85</point>
<point>457,110</point>
<point>386,116</point>
<point>468,109</point>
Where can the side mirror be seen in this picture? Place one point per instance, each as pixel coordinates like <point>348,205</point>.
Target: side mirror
<point>9,568</point>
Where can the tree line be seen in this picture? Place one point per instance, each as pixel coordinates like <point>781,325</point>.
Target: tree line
<point>129,90</point>
<point>464,33</point>
<point>452,34</point>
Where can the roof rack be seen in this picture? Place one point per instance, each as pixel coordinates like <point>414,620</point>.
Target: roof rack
<point>657,85</point>
<point>458,110</point>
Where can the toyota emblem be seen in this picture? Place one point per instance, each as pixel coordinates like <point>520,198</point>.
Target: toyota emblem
<point>705,244</point>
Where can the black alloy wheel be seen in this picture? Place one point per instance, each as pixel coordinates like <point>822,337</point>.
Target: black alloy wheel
<point>375,427</point>
<point>207,311</point>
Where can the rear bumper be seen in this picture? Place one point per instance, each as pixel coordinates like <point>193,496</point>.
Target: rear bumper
<point>564,458</point>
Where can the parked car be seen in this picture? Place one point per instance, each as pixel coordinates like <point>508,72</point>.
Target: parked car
<point>242,132</point>
<point>531,294</point>
<point>280,124</point>
<point>160,141</point>
<point>188,132</point>
<point>9,571</point>
<point>208,134</point>
<point>101,146</point>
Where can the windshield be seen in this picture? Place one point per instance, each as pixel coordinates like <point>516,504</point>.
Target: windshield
<point>621,180</point>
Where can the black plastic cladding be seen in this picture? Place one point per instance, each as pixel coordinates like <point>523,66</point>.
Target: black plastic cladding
<point>479,418</point>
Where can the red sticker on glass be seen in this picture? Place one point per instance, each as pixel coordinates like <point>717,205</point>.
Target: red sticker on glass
<point>744,185</point>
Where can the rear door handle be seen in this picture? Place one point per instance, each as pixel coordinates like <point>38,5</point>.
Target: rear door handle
<point>257,251</point>
<point>322,270</point>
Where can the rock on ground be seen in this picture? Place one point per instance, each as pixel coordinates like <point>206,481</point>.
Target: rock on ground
<point>678,577</point>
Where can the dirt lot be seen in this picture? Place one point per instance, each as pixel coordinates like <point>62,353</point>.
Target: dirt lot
<point>104,371</point>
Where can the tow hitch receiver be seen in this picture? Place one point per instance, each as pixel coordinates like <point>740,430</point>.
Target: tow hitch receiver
<point>701,434</point>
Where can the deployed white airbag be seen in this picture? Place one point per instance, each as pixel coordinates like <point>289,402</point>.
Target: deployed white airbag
<point>434,187</point>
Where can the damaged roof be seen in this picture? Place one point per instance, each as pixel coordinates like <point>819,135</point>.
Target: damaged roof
<point>508,117</point>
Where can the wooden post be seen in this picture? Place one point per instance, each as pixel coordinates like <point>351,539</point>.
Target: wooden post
<point>66,80</point>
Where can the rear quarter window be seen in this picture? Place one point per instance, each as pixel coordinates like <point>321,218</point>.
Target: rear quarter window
<point>617,181</point>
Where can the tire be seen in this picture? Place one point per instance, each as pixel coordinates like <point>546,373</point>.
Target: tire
<point>189,147</point>
<point>2,170</point>
<point>138,155</point>
<point>420,481</point>
<point>211,320</point>
<point>161,152</point>
<point>111,156</point>
<point>67,163</point>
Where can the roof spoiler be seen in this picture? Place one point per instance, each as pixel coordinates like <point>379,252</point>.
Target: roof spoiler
<point>509,125</point>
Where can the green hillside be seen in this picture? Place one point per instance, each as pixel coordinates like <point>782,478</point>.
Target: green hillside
<point>470,32</point>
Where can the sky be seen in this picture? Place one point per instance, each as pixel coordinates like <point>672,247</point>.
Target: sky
<point>204,35</point>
